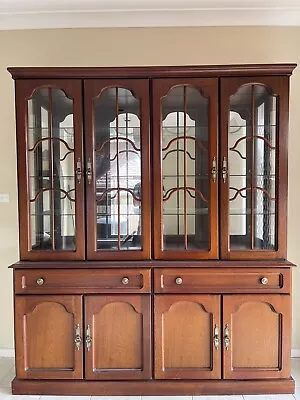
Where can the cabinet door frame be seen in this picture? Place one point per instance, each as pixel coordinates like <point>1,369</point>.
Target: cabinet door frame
<point>280,304</point>
<point>141,304</point>
<point>210,304</point>
<point>140,89</point>
<point>209,88</point>
<point>24,90</point>
<point>25,305</point>
<point>280,88</point>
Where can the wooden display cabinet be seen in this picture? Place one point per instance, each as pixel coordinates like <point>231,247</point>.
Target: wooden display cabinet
<point>153,231</point>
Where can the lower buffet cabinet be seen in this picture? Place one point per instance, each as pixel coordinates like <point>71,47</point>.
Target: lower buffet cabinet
<point>195,337</point>
<point>55,331</point>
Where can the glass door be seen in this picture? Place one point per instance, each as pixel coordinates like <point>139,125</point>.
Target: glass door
<point>253,162</point>
<point>50,159</point>
<point>117,169</point>
<point>185,164</point>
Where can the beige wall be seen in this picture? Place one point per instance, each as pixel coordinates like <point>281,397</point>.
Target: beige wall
<point>117,47</point>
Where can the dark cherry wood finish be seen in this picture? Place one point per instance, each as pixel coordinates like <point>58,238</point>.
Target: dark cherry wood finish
<point>259,330</point>
<point>24,91</point>
<point>151,334</point>
<point>121,337</point>
<point>153,71</point>
<point>183,332</point>
<point>155,387</point>
<point>139,89</point>
<point>44,343</point>
<point>82,281</point>
<point>212,264</point>
<point>238,280</point>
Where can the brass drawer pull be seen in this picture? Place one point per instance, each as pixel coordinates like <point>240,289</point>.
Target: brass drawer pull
<point>178,281</point>
<point>226,337</point>
<point>77,339</point>
<point>216,337</point>
<point>125,280</point>
<point>40,281</point>
<point>264,281</point>
<point>88,338</point>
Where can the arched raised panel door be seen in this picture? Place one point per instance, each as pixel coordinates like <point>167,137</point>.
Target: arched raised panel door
<point>256,330</point>
<point>117,335</point>
<point>117,169</point>
<point>50,169</point>
<point>47,327</point>
<point>185,159</point>
<point>253,163</point>
<point>187,337</point>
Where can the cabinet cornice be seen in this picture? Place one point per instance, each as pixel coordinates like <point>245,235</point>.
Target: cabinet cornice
<point>152,71</point>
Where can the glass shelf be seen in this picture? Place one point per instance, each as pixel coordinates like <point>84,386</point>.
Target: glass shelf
<point>180,211</point>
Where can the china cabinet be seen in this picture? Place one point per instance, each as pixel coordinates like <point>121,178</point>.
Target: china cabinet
<point>153,230</point>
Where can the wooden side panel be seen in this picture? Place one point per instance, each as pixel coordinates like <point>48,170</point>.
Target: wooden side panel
<point>184,332</point>
<point>259,333</point>
<point>120,332</point>
<point>45,332</point>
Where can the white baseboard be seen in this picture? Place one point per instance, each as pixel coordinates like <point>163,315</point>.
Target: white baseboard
<point>295,353</point>
<point>7,353</point>
<point>11,353</point>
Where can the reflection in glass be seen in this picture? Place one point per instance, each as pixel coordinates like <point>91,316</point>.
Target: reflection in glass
<point>118,170</point>
<point>252,164</point>
<point>185,169</point>
<point>51,170</point>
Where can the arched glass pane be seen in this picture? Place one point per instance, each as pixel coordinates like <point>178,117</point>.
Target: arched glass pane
<point>50,135</point>
<point>252,167</point>
<point>185,144</point>
<point>118,170</point>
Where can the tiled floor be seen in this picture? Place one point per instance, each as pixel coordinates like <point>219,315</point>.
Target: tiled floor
<point>7,373</point>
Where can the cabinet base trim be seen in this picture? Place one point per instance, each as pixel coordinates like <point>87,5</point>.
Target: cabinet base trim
<point>152,387</point>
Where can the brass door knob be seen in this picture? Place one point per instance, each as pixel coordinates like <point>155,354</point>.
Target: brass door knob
<point>178,281</point>
<point>40,281</point>
<point>264,281</point>
<point>125,280</point>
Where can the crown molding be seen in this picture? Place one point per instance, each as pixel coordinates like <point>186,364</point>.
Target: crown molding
<point>150,18</point>
<point>152,71</point>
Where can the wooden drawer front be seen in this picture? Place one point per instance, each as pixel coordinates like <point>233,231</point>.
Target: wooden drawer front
<point>238,280</point>
<point>82,281</point>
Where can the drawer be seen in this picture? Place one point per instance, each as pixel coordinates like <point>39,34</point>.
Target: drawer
<point>82,281</point>
<point>235,280</point>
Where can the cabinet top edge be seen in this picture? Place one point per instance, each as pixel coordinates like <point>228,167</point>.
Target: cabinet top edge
<point>153,264</point>
<point>152,71</point>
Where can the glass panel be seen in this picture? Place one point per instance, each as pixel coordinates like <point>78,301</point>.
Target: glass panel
<point>118,170</point>
<point>51,170</point>
<point>252,168</point>
<point>185,169</point>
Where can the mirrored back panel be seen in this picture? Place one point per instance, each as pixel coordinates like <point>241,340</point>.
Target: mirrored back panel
<point>51,163</point>
<point>118,175</point>
<point>252,166</point>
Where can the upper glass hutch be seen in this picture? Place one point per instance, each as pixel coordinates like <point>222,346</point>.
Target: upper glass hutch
<point>159,168</point>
